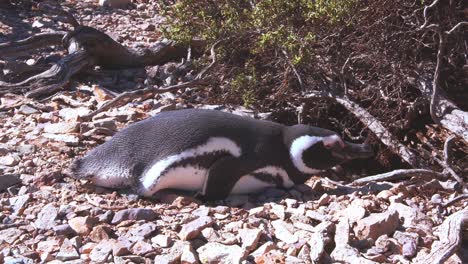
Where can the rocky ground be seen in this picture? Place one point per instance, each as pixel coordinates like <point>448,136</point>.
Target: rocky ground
<point>48,217</point>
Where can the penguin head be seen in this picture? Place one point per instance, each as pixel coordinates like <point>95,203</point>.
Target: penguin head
<point>313,149</point>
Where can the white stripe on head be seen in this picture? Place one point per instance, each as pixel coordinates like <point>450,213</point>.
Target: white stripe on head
<point>214,144</point>
<point>298,146</point>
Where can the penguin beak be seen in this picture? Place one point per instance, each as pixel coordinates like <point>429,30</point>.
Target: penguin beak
<point>356,151</point>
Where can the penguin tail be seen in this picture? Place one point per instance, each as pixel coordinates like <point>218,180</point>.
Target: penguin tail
<point>77,170</point>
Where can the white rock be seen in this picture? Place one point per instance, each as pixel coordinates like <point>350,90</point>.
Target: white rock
<point>249,238</point>
<point>284,231</point>
<point>162,240</point>
<point>219,253</point>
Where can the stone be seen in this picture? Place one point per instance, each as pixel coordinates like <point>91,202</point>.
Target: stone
<point>304,253</point>
<point>250,238</point>
<point>211,235</point>
<point>108,123</point>
<point>189,256</point>
<point>385,195</point>
<point>201,211</point>
<point>325,199</point>
<point>174,255</point>
<point>10,160</point>
<point>408,241</point>
<point>120,248</point>
<point>354,213</point>
<point>69,140</point>
<point>114,3</point>
<point>136,214</point>
<point>278,210</point>
<point>82,225</point>
<point>25,149</point>
<point>101,252</point>
<point>377,224</point>
<point>272,256</point>
<point>10,235</point>
<point>17,203</point>
<point>8,180</point>
<point>141,248</point>
<point>100,232</point>
<point>73,113</point>
<point>49,246</point>
<point>27,110</point>
<point>193,228</point>
<point>263,249</point>
<point>67,251</point>
<point>144,230</point>
<point>215,252</point>
<point>162,240</point>
<point>46,217</point>
<point>61,128</point>
<point>284,231</point>
<point>64,230</point>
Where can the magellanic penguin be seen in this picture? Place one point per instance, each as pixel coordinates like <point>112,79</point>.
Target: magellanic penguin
<point>214,153</point>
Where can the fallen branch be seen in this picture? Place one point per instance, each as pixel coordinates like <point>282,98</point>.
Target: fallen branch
<point>400,174</point>
<point>450,238</point>
<point>454,200</point>
<point>51,80</point>
<point>88,47</point>
<point>126,97</point>
<point>15,48</point>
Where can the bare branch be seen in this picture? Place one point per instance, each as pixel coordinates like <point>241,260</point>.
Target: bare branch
<point>126,97</point>
<point>399,174</point>
<point>426,8</point>
<point>31,43</point>
<point>455,199</point>
<point>456,27</point>
<point>450,238</point>
<point>299,79</point>
<point>213,60</point>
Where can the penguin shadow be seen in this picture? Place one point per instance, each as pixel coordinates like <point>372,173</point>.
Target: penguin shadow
<point>301,193</point>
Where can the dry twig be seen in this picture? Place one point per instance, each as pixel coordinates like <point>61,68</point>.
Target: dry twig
<point>399,174</point>
<point>450,238</point>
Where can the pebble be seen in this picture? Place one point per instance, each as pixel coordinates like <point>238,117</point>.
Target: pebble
<point>141,248</point>
<point>46,217</point>
<point>64,230</point>
<point>144,230</point>
<point>250,238</point>
<point>284,231</point>
<point>215,252</point>
<point>82,225</point>
<point>17,203</point>
<point>134,214</point>
<point>67,251</point>
<point>8,180</point>
<point>10,160</point>
<point>101,252</point>
<point>193,228</point>
<point>377,224</point>
<point>162,240</point>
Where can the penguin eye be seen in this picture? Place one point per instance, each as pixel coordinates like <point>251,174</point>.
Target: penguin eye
<point>334,141</point>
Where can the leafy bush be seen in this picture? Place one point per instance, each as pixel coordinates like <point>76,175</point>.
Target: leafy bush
<point>256,32</point>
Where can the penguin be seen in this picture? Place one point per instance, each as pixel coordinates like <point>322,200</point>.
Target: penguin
<point>213,153</point>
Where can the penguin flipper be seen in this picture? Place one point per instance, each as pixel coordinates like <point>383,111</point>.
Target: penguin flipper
<point>222,177</point>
